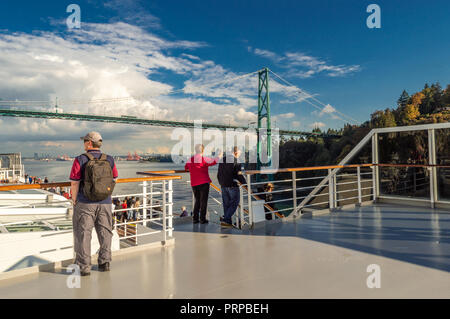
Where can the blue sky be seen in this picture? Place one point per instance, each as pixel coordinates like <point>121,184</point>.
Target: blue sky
<point>323,47</point>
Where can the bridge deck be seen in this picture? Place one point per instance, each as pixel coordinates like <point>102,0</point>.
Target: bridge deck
<point>322,257</point>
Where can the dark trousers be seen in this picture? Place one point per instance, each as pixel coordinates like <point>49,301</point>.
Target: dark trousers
<point>201,193</point>
<point>230,199</point>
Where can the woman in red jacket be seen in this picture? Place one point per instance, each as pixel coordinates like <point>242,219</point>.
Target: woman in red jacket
<point>197,166</point>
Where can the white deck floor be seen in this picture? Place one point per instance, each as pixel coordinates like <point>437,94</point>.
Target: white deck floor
<point>209,263</point>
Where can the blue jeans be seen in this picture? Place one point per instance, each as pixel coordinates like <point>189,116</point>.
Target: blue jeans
<point>230,198</point>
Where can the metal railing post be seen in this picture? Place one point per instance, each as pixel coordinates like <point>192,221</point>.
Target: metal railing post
<point>375,168</point>
<point>170,192</point>
<point>164,222</point>
<point>144,203</point>
<point>294,189</point>
<point>433,169</point>
<point>151,199</point>
<point>358,172</point>
<point>335,204</point>
<point>330,190</point>
<point>249,196</point>
<point>241,208</point>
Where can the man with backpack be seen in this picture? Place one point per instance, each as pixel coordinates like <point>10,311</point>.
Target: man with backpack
<point>92,178</point>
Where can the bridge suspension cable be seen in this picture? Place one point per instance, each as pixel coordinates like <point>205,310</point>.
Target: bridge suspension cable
<point>119,99</point>
<point>313,98</point>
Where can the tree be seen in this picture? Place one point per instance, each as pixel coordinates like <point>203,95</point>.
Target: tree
<point>428,104</point>
<point>383,119</point>
<point>411,110</point>
<point>403,99</point>
<point>446,97</point>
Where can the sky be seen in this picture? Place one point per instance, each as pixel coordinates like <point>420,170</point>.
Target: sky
<point>196,60</point>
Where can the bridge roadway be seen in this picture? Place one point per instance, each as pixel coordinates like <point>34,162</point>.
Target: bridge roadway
<point>137,121</point>
<point>322,256</point>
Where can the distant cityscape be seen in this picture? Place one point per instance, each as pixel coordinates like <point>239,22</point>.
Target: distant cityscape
<point>129,157</point>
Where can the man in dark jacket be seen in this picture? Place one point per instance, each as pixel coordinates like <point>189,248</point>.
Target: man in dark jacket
<point>227,175</point>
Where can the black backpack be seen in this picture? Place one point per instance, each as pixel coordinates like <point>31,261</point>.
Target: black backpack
<point>98,183</point>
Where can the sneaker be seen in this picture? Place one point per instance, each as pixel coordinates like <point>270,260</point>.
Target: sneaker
<point>85,273</point>
<point>225,224</point>
<point>104,267</point>
<point>195,221</point>
<point>204,221</point>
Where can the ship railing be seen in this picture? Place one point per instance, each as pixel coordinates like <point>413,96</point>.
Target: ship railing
<point>423,184</point>
<point>275,194</point>
<point>154,214</point>
<point>215,205</point>
<point>353,185</point>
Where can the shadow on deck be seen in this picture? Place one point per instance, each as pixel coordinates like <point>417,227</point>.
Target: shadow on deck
<point>417,235</point>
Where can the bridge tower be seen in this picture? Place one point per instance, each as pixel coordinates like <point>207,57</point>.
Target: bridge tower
<point>264,112</point>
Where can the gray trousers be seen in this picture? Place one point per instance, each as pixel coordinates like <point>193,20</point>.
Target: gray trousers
<point>85,217</point>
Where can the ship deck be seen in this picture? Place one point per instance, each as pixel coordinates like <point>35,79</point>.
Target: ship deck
<point>322,256</point>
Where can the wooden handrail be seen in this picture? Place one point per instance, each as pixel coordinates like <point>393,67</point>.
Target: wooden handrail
<point>413,165</point>
<point>315,168</point>
<point>265,205</point>
<point>299,169</point>
<point>176,171</point>
<point>67,184</point>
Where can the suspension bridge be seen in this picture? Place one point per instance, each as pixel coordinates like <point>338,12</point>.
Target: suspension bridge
<point>10,109</point>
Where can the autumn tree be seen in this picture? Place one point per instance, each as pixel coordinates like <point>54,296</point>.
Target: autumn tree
<point>383,119</point>
<point>411,110</point>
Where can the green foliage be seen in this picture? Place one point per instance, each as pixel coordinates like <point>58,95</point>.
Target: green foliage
<point>430,105</point>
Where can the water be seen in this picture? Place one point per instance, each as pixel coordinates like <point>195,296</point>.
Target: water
<point>59,171</point>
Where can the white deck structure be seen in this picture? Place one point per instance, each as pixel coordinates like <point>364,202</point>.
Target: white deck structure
<point>320,257</point>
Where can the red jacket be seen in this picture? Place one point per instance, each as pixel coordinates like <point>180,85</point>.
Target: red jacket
<point>198,168</point>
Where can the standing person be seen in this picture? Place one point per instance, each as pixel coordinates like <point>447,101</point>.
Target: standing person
<point>46,180</point>
<point>130,204</point>
<point>228,175</point>
<point>92,178</point>
<point>197,166</point>
<point>117,208</point>
<point>124,206</point>
<point>137,205</point>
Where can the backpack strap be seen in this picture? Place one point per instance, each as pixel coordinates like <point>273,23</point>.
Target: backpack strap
<point>89,156</point>
<point>103,157</point>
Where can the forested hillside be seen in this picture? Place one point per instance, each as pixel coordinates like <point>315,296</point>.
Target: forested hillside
<point>430,105</point>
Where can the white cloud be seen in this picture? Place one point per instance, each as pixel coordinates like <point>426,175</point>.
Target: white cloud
<point>286,115</point>
<point>304,66</point>
<point>328,109</point>
<point>113,69</point>
<point>317,125</point>
<point>296,124</point>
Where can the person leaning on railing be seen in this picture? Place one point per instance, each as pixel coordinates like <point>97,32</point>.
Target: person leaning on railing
<point>92,202</point>
<point>228,175</point>
<point>197,166</point>
<point>268,197</point>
